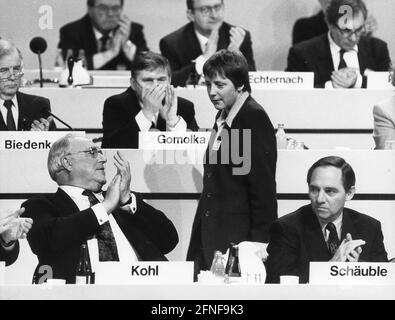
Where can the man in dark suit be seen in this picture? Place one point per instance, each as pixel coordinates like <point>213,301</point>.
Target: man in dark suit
<point>238,202</point>
<point>341,58</point>
<point>12,228</point>
<point>19,111</point>
<point>312,232</point>
<point>109,39</point>
<point>126,228</point>
<point>150,102</point>
<point>190,46</point>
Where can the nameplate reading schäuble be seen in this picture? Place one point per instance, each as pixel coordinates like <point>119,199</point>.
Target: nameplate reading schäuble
<point>352,273</point>
<point>281,80</point>
<point>31,140</point>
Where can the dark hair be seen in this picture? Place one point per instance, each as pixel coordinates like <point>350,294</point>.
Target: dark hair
<point>333,13</point>
<point>91,3</point>
<point>148,60</point>
<point>229,64</point>
<point>190,4</point>
<point>348,175</point>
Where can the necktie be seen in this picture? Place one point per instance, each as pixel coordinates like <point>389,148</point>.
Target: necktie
<point>10,118</point>
<point>106,241</point>
<point>333,240</point>
<point>342,63</point>
<point>103,43</point>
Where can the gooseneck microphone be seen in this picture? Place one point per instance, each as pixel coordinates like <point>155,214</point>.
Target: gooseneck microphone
<point>38,45</point>
<point>70,66</point>
<point>46,113</point>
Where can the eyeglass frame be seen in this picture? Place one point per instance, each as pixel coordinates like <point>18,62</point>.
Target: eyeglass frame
<point>348,33</point>
<point>18,75</point>
<point>103,9</point>
<point>209,9</point>
<point>92,151</point>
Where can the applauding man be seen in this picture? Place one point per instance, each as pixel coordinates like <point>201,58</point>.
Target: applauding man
<point>149,103</point>
<point>189,47</point>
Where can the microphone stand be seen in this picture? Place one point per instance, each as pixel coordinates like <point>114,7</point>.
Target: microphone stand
<point>41,69</point>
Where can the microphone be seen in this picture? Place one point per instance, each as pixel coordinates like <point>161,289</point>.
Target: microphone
<point>70,66</point>
<point>38,45</point>
<point>46,113</point>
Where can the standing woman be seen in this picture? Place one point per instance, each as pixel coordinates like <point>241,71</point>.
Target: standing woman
<point>238,202</point>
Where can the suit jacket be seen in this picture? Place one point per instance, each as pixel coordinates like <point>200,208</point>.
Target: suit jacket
<point>30,108</point>
<point>384,122</point>
<point>310,27</point>
<point>315,55</point>
<point>9,256</point>
<point>120,129</point>
<point>297,238</point>
<point>79,35</point>
<point>182,46</point>
<point>60,229</point>
<point>235,208</point>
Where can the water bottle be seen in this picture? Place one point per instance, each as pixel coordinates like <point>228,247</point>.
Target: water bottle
<point>281,137</point>
<point>217,266</point>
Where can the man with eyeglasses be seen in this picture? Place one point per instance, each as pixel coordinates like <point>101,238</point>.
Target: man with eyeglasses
<point>117,225</point>
<point>149,103</point>
<point>108,37</point>
<point>19,111</point>
<point>189,47</point>
<point>342,57</point>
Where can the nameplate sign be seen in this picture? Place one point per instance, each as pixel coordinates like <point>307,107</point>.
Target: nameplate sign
<point>2,273</point>
<point>114,81</point>
<point>379,80</point>
<point>352,273</point>
<point>163,272</point>
<point>31,140</point>
<point>281,80</point>
<point>165,140</point>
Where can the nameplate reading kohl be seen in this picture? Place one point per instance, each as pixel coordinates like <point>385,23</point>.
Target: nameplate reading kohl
<point>338,273</point>
<point>31,140</point>
<point>144,272</point>
<point>281,80</point>
<point>167,140</point>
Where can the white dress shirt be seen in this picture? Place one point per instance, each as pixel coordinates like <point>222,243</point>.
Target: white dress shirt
<point>14,108</point>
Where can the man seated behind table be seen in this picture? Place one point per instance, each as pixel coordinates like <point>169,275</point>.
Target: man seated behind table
<point>19,111</point>
<point>149,102</point>
<point>12,228</point>
<point>324,230</point>
<point>125,228</point>
<point>340,58</point>
<point>189,47</point>
<point>384,120</point>
<point>108,37</point>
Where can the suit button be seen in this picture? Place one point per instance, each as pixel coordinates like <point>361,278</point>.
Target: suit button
<point>209,195</point>
<point>207,213</point>
<point>209,175</point>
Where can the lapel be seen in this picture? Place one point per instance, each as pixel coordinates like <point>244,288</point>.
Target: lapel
<point>130,105</point>
<point>88,35</point>
<point>3,125</point>
<point>223,41</point>
<point>192,44</point>
<point>64,203</point>
<point>314,238</point>
<point>23,111</point>
<point>347,226</point>
<point>324,56</point>
<point>363,56</point>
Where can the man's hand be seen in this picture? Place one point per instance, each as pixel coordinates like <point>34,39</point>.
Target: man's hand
<point>124,27</point>
<point>169,110</point>
<point>349,250</point>
<point>111,200</point>
<point>212,44</point>
<point>123,170</point>
<point>42,124</point>
<point>237,36</point>
<point>12,227</point>
<point>152,98</point>
<point>344,78</point>
<point>129,49</point>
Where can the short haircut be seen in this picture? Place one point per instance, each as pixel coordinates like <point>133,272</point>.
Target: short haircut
<point>229,64</point>
<point>7,48</point>
<point>348,175</point>
<point>59,149</point>
<point>190,4</point>
<point>333,13</point>
<point>149,61</point>
<point>91,3</point>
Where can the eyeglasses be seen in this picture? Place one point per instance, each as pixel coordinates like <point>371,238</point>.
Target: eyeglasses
<point>107,9</point>
<point>206,10</point>
<point>7,72</point>
<point>348,32</point>
<point>92,151</point>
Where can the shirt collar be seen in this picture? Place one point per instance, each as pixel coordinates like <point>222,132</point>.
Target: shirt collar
<point>228,118</point>
<point>99,35</point>
<point>335,48</point>
<point>72,191</point>
<point>14,101</point>
<point>337,223</point>
<point>202,40</point>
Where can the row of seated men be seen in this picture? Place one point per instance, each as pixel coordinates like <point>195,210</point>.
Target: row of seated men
<point>238,202</point>
<point>150,102</point>
<point>338,53</point>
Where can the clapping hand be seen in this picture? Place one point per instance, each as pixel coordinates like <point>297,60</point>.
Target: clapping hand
<point>344,78</point>
<point>349,250</point>
<point>12,227</point>
<point>169,110</point>
<point>42,124</point>
<point>237,36</point>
